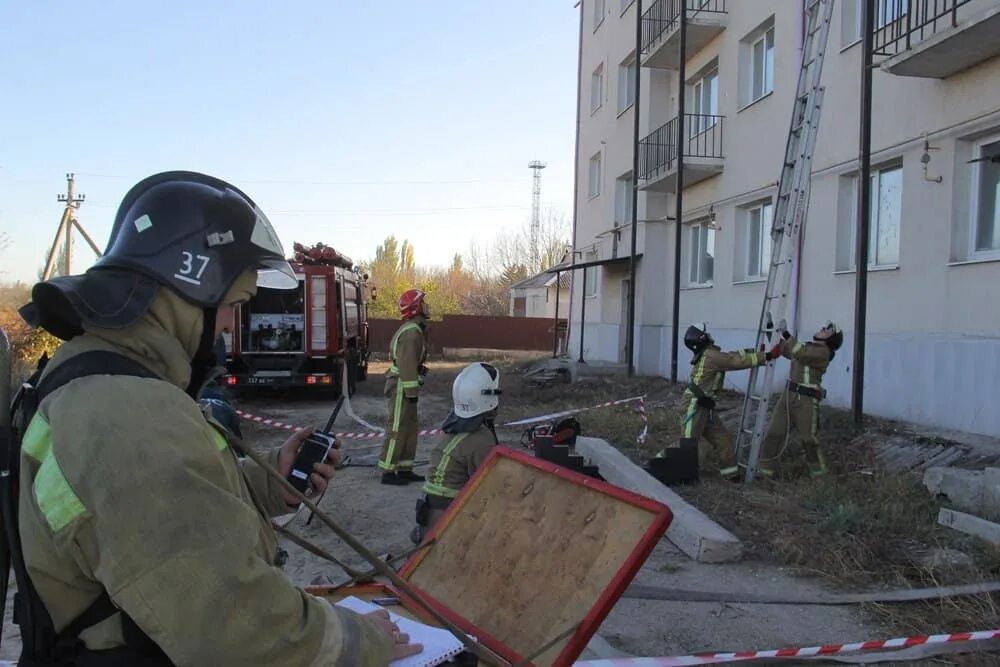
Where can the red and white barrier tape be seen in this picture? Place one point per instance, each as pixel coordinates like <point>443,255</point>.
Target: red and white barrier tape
<point>566,413</point>
<point>829,649</point>
<point>274,423</point>
<point>644,433</point>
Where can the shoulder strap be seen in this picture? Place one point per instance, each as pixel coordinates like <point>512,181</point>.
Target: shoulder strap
<point>97,362</point>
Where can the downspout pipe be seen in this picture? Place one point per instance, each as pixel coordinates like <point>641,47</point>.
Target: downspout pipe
<point>679,197</point>
<point>576,188</point>
<point>630,339</point>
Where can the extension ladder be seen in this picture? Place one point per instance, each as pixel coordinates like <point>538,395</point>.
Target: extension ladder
<point>786,229</point>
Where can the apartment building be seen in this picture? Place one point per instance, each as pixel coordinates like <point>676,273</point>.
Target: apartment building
<point>933,318</point>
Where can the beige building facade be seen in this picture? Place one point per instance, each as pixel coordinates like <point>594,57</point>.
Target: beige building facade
<point>933,321</point>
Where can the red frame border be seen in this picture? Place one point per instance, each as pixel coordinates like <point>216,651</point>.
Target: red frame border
<point>592,621</point>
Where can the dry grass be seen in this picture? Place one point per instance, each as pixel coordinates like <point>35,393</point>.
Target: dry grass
<point>857,529</point>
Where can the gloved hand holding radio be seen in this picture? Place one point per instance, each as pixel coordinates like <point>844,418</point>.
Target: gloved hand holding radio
<point>322,472</point>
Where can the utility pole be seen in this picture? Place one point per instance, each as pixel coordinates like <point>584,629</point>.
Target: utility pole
<point>536,209</point>
<point>64,235</point>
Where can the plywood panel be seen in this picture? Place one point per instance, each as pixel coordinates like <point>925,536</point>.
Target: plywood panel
<point>529,552</point>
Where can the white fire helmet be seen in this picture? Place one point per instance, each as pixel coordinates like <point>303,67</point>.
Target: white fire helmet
<point>476,390</point>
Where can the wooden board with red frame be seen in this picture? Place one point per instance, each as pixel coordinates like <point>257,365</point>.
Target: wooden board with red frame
<point>532,554</point>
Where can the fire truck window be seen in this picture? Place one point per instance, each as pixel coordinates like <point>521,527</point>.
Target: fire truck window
<point>276,320</point>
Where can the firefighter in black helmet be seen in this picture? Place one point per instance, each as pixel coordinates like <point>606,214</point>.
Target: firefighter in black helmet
<point>697,416</point>
<point>798,405</point>
<point>141,539</point>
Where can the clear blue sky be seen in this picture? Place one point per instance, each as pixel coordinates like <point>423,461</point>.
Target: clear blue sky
<point>346,121</point>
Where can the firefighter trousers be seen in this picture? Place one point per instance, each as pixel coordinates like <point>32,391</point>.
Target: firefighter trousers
<point>801,414</point>
<point>701,423</point>
<point>399,449</point>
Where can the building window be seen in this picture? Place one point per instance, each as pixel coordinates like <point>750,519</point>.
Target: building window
<point>852,19</point>
<point>758,241</point>
<point>594,187</point>
<point>889,11</point>
<point>626,85</point>
<point>850,22</point>
<point>599,11</point>
<point>762,66</point>
<point>704,102</point>
<point>626,4</point>
<point>756,64</point>
<point>701,255</point>
<point>623,200</point>
<point>986,198</point>
<point>590,284</point>
<point>886,213</point>
<point>597,88</point>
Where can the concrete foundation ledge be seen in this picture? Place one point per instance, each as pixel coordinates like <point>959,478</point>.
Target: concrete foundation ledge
<point>691,531</point>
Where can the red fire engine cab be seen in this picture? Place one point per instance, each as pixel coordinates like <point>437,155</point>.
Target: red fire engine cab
<point>302,337</point>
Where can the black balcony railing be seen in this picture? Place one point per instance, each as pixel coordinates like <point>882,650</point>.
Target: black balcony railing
<point>663,16</point>
<point>658,152</point>
<point>902,24</point>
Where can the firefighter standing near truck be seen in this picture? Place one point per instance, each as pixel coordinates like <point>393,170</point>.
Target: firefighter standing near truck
<point>408,355</point>
<point>697,417</point>
<point>136,536</point>
<point>798,405</point>
<point>468,435</point>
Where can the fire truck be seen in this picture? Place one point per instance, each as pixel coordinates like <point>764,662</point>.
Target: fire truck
<point>302,337</point>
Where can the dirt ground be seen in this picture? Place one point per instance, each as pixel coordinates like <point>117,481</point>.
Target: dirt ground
<point>856,530</point>
<point>383,516</point>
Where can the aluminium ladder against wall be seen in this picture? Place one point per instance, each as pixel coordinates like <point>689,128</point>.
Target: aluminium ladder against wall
<point>789,217</point>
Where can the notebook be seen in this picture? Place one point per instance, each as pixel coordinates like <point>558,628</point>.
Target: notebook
<point>439,644</point>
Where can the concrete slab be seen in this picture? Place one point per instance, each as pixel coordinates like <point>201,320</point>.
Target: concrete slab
<point>971,525</point>
<point>691,531</point>
<point>974,491</point>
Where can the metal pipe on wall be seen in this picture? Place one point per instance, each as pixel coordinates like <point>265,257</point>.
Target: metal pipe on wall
<point>576,180</point>
<point>675,320</point>
<point>864,214</point>
<point>630,335</point>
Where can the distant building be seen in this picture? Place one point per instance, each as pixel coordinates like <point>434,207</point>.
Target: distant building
<point>536,296</point>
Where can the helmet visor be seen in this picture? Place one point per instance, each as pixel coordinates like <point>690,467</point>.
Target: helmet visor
<point>274,272</point>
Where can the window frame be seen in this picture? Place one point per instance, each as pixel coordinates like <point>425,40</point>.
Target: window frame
<point>698,86</point>
<point>591,283</point>
<point>695,232</point>
<point>625,4</point>
<point>594,180</point>
<point>873,230</point>
<point>977,171</point>
<point>625,183</point>
<point>629,68</point>
<point>600,10</point>
<point>763,249</point>
<point>883,20</point>
<point>598,90</point>
<point>767,85</point>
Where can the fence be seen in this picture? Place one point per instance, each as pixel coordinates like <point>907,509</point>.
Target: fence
<point>901,24</point>
<point>474,331</point>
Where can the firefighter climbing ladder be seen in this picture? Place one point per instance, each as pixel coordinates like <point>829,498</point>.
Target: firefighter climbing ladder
<point>786,229</point>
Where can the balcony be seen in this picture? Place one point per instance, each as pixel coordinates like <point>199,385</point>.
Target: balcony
<point>703,156</point>
<point>661,33</point>
<point>936,38</point>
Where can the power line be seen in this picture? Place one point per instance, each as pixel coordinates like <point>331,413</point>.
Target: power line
<point>315,182</point>
<point>368,212</point>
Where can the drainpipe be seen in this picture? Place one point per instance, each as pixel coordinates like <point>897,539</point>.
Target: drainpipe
<point>555,326</point>
<point>583,311</point>
<point>864,216</point>
<point>576,184</point>
<point>675,325</point>
<point>630,344</point>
